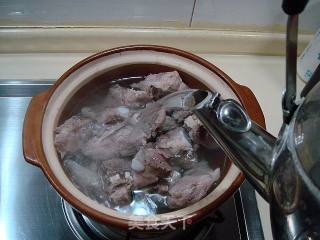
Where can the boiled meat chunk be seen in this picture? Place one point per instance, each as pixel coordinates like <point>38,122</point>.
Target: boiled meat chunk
<point>203,168</point>
<point>119,188</point>
<point>198,133</point>
<point>186,159</point>
<point>72,134</point>
<point>125,139</point>
<point>121,96</point>
<point>83,176</point>
<point>164,82</point>
<point>122,142</point>
<point>180,115</point>
<point>113,115</point>
<point>114,166</point>
<point>168,124</point>
<point>162,187</point>
<point>120,196</point>
<point>86,179</point>
<point>117,178</point>
<point>175,141</point>
<point>149,166</point>
<point>194,125</point>
<point>188,190</point>
<point>193,186</point>
<point>150,119</point>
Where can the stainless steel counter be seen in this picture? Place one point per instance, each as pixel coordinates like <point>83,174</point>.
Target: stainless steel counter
<point>28,202</point>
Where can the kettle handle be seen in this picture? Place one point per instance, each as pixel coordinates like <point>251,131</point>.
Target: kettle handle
<point>293,7</point>
<point>31,134</point>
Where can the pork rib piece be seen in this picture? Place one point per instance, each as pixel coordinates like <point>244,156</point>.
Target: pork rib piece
<point>188,190</point>
<point>198,133</point>
<point>122,142</point>
<point>150,118</point>
<point>193,186</point>
<point>83,176</point>
<point>121,96</point>
<point>119,188</point>
<point>87,180</point>
<point>180,115</point>
<point>120,195</point>
<point>117,179</point>
<point>161,83</point>
<point>168,124</point>
<point>114,166</point>
<point>108,115</point>
<point>126,138</point>
<point>72,134</point>
<point>149,166</point>
<point>174,141</point>
<point>193,124</point>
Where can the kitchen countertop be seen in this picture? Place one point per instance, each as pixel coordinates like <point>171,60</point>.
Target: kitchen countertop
<point>264,75</point>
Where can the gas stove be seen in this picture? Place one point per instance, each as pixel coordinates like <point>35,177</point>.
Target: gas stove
<point>31,209</point>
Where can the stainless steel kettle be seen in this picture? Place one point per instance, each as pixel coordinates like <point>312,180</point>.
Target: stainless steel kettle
<point>284,170</point>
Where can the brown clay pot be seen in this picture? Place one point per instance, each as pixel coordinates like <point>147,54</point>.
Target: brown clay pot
<point>55,105</point>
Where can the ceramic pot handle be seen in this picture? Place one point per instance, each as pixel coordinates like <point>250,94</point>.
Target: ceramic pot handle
<point>31,134</point>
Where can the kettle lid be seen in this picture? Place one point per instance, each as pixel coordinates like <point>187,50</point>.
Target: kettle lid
<point>306,135</point>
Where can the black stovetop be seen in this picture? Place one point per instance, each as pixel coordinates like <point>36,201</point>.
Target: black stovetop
<point>31,209</point>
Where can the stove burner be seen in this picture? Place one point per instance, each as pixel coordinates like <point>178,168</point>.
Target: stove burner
<point>85,228</point>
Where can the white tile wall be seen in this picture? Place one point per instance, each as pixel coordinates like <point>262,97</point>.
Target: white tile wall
<point>251,14</point>
<point>263,15</point>
<point>96,12</point>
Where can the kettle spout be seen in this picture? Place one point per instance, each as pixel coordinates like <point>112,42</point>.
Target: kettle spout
<point>249,146</point>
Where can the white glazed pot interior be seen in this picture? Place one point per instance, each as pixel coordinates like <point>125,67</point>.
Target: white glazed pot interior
<point>89,71</point>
